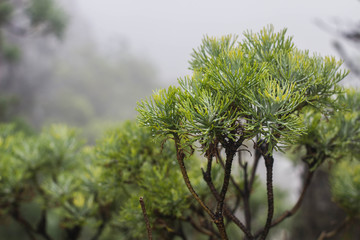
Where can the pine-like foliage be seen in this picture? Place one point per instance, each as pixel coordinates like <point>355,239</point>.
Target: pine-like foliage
<point>254,87</point>
<point>255,90</point>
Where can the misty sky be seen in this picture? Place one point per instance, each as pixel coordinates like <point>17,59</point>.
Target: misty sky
<point>165,31</point>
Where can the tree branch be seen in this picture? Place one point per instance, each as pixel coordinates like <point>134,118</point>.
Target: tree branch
<point>254,168</point>
<point>148,227</point>
<point>180,157</point>
<point>337,230</point>
<point>202,230</point>
<point>230,153</point>
<point>269,162</point>
<point>231,178</point>
<point>246,199</point>
<point>227,211</point>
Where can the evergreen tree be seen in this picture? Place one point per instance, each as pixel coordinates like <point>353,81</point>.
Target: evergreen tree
<point>255,90</point>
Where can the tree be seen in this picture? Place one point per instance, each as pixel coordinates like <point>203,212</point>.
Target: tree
<point>241,92</point>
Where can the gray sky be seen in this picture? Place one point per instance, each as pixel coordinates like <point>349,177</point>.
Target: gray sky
<point>165,31</point>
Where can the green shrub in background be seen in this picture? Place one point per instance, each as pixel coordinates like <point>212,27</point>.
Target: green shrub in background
<point>54,186</point>
<point>134,166</point>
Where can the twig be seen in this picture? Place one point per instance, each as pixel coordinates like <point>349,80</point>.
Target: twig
<point>236,204</point>
<point>231,178</point>
<point>254,168</point>
<point>180,155</point>
<point>337,230</point>
<point>148,227</point>
<point>246,199</point>
<point>216,218</point>
<point>269,162</point>
<point>200,229</point>
<point>227,211</point>
<point>230,153</point>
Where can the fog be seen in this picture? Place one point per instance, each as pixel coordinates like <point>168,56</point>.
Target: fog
<point>165,32</point>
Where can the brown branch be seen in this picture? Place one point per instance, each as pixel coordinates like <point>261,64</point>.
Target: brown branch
<point>180,155</point>
<point>227,211</point>
<point>230,153</point>
<point>254,168</point>
<point>202,230</point>
<point>231,178</point>
<point>236,204</point>
<point>203,221</point>
<point>269,162</point>
<point>148,227</point>
<point>233,218</point>
<point>246,199</point>
<point>219,216</point>
<point>337,230</point>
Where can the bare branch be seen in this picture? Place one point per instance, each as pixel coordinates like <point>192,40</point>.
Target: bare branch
<point>269,162</point>
<point>337,230</point>
<point>148,227</point>
<point>202,230</point>
<point>227,211</point>
<point>180,157</point>
<point>237,187</point>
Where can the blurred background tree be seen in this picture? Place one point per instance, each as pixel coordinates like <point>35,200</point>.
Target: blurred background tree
<point>309,223</point>
<point>27,31</point>
<point>52,71</point>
